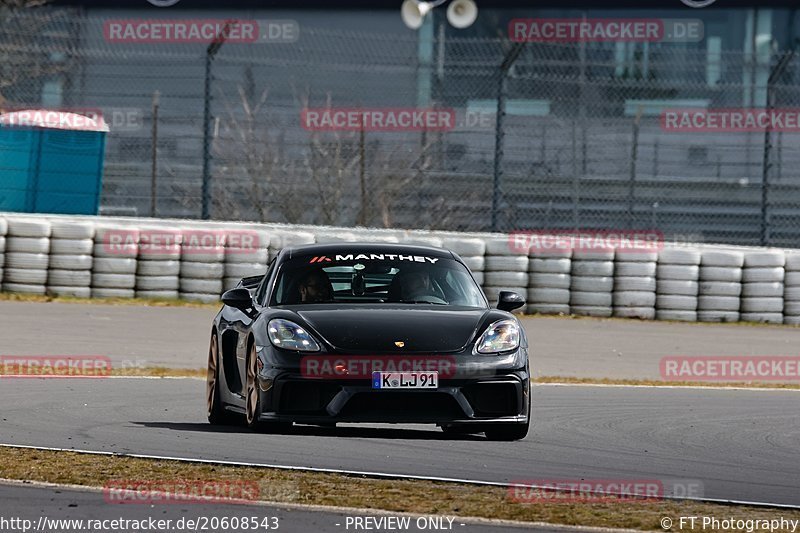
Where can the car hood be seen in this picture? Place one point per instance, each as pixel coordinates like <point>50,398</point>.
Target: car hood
<point>422,329</point>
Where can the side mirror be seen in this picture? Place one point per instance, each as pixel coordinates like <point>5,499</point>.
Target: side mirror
<point>509,301</point>
<point>238,299</point>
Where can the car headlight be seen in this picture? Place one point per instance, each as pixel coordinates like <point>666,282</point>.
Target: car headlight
<point>290,336</point>
<point>501,336</point>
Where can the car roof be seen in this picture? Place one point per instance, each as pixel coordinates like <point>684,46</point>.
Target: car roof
<point>366,247</point>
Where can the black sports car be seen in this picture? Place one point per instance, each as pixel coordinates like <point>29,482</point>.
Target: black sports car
<point>381,333</point>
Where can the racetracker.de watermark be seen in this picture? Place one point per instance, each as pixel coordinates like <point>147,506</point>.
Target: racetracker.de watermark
<point>74,118</point>
<point>731,120</point>
<point>378,119</point>
<point>537,491</point>
<point>129,243</point>
<point>548,30</point>
<point>54,366</point>
<point>728,369</point>
<point>180,492</point>
<point>554,241</point>
<point>154,31</point>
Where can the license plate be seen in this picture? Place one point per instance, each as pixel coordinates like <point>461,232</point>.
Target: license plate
<point>405,380</point>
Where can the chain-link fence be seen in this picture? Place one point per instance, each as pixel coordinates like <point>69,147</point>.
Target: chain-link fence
<point>580,142</point>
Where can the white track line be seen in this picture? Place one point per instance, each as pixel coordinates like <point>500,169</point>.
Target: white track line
<point>379,475</point>
<point>335,509</point>
<point>688,387</point>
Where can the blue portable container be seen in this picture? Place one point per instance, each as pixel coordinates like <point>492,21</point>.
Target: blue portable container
<point>51,162</point>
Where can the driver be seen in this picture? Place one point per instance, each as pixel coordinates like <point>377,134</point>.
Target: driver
<point>415,285</point>
<point>315,287</point>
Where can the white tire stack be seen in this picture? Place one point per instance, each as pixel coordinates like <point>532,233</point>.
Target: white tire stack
<point>279,241</point>
<point>116,249</point>
<point>3,231</point>
<point>202,265</point>
<point>159,263</point>
<point>791,291</point>
<point>472,251</point>
<point>244,262</point>
<point>329,238</point>
<point>71,251</point>
<point>763,287</point>
<point>549,282</point>
<point>592,283</point>
<point>720,286</point>
<point>27,246</point>
<point>506,269</point>
<point>635,285</point>
<point>677,284</point>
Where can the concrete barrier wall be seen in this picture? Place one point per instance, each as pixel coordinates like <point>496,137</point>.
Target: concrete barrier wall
<point>117,257</point>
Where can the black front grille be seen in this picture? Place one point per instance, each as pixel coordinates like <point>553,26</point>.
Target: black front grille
<point>408,405</point>
<point>493,399</point>
<point>306,397</point>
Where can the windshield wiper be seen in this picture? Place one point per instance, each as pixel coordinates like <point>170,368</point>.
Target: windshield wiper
<point>422,302</point>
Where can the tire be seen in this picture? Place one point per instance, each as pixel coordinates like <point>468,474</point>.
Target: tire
<point>201,286</point>
<point>157,283</point>
<point>679,256</point>
<point>763,290</point>
<point>24,276</point>
<point>728,274</point>
<point>512,263</point>
<point>593,255</point>
<point>722,259</point>
<point>114,265</point>
<point>548,309</point>
<point>593,311</point>
<point>766,274</point>
<point>74,292</point>
<point>718,303</point>
<point>638,299</point>
<point>465,247</point>
<point>500,279</point>
<point>113,281</point>
<point>215,410</point>
<point>71,247</point>
<point>475,263</point>
<point>253,400</point>
<point>765,259</point>
<point>230,283</point>
<point>595,269</point>
<point>635,270</point>
<point>114,251</point>
<point>3,226</point>
<point>158,268</point>
<point>636,256</point>
<point>434,242</point>
<point>28,245</point>
<point>548,296</point>
<point>2,244</point>
<point>236,256</point>
<point>791,320</point>
<point>791,308</point>
<point>71,262</point>
<point>203,255</point>
<point>720,288</point>
<point>792,279</point>
<point>112,293</point>
<point>792,262</point>
<point>31,228</point>
<point>591,299</point>
<point>201,298</point>
<point>324,238</point>
<point>24,288</point>
<point>762,318</point>
<point>586,284</point>
<point>549,281</point>
<point>202,270</point>
<point>634,284</point>
<point>69,278</point>
<point>72,230</point>
<point>478,278</point>
<point>678,316</point>
<point>550,266</point>
<point>717,316</point>
<point>642,313</point>
<point>791,294</point>
<point>504,246</point>
<point>160,244</point>
<point>677,288</point>
<point>297,238</point>
<point>761,305</point>
<point>27,261</point>
<point>158,295</point>
<point>678,272</point>
<point>676,303</point>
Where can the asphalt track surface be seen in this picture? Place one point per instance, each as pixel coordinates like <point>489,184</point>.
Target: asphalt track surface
<point>178,338</point>
<point>52,503</point>
<point>736,444</point>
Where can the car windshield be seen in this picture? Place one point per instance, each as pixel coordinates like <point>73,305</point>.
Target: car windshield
<point>376,278</point>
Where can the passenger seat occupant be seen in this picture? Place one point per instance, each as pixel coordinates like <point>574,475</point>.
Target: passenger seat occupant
<point>315,287</point>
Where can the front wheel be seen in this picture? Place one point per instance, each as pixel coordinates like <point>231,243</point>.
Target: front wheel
<point>253,408</point>
<point>215,411</point>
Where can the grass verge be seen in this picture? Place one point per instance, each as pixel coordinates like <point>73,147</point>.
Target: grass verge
<point>140,302</point>
<point>423,497</point>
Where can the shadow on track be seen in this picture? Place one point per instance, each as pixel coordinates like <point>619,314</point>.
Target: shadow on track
<point>320,431</point>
